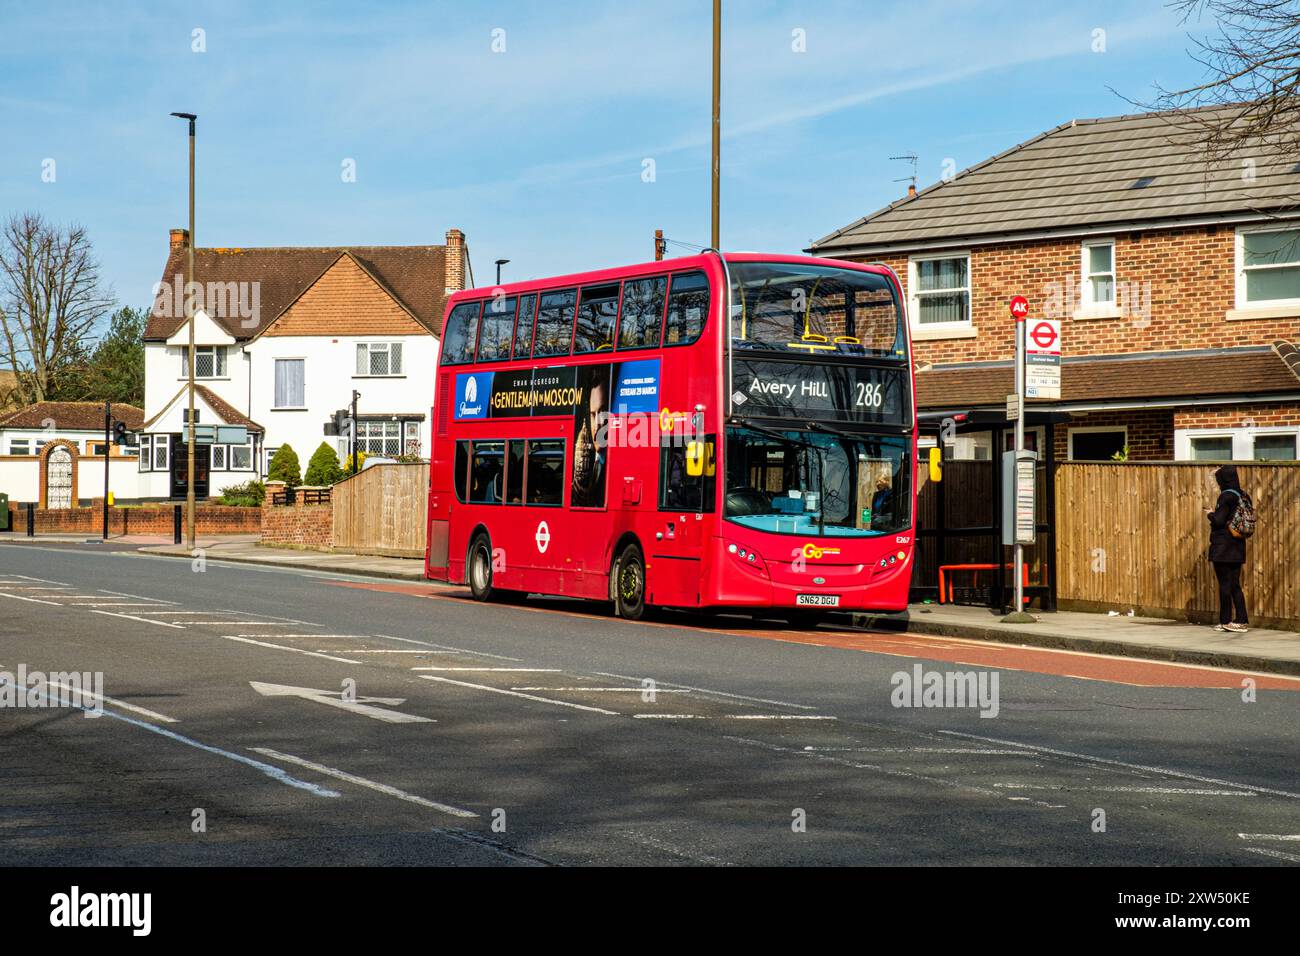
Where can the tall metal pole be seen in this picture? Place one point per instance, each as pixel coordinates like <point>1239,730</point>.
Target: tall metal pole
<point>352,437</point>
<point>717,117</point>
<point>108,427</point>
<point>189,319</point>
<point>1018,571</point>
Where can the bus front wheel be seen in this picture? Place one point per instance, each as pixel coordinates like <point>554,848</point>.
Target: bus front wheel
<point>629,584</point>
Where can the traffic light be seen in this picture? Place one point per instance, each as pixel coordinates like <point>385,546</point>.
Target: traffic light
<point>119,433</point>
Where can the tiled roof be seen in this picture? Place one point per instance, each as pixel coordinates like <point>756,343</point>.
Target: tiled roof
<point>414,275</point>
<point>71,416</point>
<point>1084,173</point>
<point>346,300</point>
<point>228,413</point>
<point>1248,371</point>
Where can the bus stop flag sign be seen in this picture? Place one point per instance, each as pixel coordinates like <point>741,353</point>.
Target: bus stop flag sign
<point>1043,359</point>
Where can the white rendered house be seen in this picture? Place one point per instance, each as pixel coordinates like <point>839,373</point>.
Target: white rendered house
<point>283,337</point>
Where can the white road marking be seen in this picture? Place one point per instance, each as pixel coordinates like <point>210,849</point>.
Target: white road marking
<point>275,773</point>
<point>733,717</point>
<point>248,639</point>
<point>142,711</point>
<point>928,750</point>
<point>445,647</point>
<point>1278,854</point>
<point>664,846</point>
<point>363,782</point>
<point>515,693</point>
<point>609,690</point>
<point>357,650</point>
<point>111,604</point>
<point>238,623</point>
<point>133,617</point>
<point>1269,836</point>
<point>173,612</point>
<point>1091,789</point>
<point>28,577</point>
<point>19,597</point>
<point>140,597</point>
<point>31,587</point>
<point>1128,766</point>
<point>359,706</point>
<point>716,693</point>
<point>533,670</point>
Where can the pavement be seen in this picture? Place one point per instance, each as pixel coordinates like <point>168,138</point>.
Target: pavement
<point>269,714</point>
<point>1261,649</point>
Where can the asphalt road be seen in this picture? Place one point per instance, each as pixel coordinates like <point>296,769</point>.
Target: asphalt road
<point>427,729</point>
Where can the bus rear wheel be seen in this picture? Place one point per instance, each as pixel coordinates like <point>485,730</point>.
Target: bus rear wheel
<point>478,568</point>
<point>629,584</point>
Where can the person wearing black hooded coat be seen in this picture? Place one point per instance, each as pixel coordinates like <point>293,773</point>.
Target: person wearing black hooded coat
<point>1227,551</point>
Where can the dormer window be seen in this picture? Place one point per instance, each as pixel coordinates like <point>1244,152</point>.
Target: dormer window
<point>209,361</point>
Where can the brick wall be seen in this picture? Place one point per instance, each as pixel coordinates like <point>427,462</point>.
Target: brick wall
<point>1188,275</point>
<point>296,525</point>
<point>1150,432</point>
<point>147,519</point>
<point>1239,416</point>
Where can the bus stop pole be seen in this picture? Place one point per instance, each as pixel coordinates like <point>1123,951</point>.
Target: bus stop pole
<point>1018,570</point>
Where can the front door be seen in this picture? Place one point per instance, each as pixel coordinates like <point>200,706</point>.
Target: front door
<point>180,462</point>
<point>58,479</point>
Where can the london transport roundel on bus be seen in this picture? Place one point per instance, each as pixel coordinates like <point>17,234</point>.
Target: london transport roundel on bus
<point>542,537</point>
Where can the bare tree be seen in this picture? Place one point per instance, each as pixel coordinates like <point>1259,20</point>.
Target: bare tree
<point>50,301</point>
<point>1251,93</point>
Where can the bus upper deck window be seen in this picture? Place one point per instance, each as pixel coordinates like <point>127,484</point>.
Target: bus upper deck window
<point>688,306</point>
<point>461,334</point>
<point>496,328</point>
<point>524,327</point>
<point>555,323</point>
<point>594,331</point>
<point>643,313</point>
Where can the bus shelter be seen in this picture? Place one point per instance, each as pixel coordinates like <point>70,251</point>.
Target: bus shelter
<point>960,557</point>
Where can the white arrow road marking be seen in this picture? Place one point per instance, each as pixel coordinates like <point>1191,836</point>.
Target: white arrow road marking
<point>363,782</point>
<point>335,699</point>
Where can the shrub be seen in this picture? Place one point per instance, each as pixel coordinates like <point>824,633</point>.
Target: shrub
<point>324,467</point>
<point>361,460</point>
<point>285,467</point>
<point>250,494</point>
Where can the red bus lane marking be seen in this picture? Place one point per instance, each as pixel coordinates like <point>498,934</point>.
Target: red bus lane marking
<point>1056,662</point>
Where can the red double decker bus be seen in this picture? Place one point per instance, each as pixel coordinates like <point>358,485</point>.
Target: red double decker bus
<point>709,432</point>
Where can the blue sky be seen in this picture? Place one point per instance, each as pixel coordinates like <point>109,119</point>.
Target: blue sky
<point>536,152</point>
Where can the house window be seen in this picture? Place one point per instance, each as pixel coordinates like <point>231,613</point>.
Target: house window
<point>1098,273</point>
<point>379,437</point>
<point>20,446</point>
<point>218,458</point>
<point>1212,448</point>
<point>209,361</point>
<point>97,448</point>
<point>1268,267</point>
<point>240,457</point>
<point>1097,444</point>
<point>161,458</point>
<point>145,462</point>
<point>941,291</point>
<point>289,384</point>
<point>411,438</point>
<point>1275,447</point>
<point>379,358</point>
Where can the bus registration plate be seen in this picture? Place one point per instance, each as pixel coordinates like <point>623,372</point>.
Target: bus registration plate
<point>817,600</point>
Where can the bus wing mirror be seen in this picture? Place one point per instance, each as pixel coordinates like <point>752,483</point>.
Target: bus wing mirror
<point>936,464</point>
<point>695,458</point>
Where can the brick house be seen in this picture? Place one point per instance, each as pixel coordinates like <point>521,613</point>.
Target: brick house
<point>1178,288</point>
<point>283,338</point>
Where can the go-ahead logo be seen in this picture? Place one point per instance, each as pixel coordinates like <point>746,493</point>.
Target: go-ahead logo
<point>811,550</point>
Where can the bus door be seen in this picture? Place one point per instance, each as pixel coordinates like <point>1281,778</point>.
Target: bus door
<point>686,486</point>
<point>538,529</point>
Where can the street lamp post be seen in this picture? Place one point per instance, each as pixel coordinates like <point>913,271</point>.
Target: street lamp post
<point>189,319</point>
<point>500,263</point>
<point>717,116</point>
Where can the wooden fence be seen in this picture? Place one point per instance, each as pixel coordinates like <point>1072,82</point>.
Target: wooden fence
<point>1134,535</point>
<point>382,510</point>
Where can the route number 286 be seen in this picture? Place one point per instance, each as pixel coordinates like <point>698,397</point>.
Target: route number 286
<point>869,394</point>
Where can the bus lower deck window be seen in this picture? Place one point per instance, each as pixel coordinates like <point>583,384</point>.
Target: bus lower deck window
<point>546,471</point>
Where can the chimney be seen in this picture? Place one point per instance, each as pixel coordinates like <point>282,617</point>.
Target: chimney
<point>180,238</point>
<point>911,190</point>
<point>455,260</point>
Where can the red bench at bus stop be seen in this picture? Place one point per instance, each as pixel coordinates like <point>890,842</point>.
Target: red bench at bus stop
<point>977,568</point>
